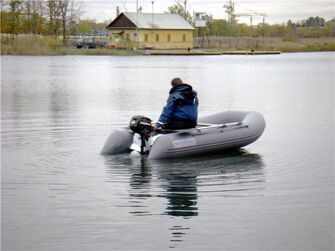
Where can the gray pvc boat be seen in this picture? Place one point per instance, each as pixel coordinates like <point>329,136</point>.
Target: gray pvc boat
<point>219,131</point>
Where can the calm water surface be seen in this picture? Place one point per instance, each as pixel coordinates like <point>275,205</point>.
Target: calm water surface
<point>59,193</point>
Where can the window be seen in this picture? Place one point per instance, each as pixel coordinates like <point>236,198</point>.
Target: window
<point>169,37</point>
<point>184,37</point>
<point>157,37</point>
<point>127,37</point>
<point>146,38</point>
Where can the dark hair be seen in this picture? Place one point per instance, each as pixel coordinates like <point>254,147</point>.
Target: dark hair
<point>176,81</point>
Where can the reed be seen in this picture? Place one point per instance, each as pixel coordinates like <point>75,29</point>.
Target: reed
<point>29,45</point>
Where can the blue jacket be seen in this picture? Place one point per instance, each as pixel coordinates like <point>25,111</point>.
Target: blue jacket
<point>182,104</point>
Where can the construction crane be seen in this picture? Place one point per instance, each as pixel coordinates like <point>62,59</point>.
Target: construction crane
<point>230,9</point>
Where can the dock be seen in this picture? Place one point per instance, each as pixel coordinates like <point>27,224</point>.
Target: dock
<point>207,52</point>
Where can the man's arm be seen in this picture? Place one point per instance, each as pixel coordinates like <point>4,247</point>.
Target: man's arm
<point>167,112</point>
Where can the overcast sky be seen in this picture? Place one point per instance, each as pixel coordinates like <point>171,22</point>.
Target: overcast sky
<point>278,11</point>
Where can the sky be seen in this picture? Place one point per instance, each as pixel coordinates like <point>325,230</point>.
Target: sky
<point>278,11</point>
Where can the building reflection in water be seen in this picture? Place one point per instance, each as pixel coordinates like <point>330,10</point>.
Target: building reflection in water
<point>182,181</point>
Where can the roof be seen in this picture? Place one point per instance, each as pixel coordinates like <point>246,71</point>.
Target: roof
<point>153,21</point>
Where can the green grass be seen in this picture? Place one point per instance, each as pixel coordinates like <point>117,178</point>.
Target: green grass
<point>320,47</point>
<point>310,47</point>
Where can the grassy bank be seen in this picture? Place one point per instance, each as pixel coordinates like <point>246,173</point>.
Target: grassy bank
<point>38,45</point>
<point>284,44</point>
<point>74,51</point>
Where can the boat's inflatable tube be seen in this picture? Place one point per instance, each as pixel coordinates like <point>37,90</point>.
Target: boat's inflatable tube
<point>220,131</point>
<point>118,142</point>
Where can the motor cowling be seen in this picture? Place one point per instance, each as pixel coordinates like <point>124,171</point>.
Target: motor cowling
<point>141,125</point>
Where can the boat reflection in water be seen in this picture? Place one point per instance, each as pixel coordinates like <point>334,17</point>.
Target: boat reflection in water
<point>173,187</point>
<point>236,173</point>
<point>180,191</point>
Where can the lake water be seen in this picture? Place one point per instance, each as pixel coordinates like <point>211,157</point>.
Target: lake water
<point>59,193</point>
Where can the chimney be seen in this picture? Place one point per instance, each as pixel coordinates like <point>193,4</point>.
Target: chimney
<point>117,10</point>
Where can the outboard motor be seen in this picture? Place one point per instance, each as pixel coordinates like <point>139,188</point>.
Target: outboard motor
<point>141,125</point>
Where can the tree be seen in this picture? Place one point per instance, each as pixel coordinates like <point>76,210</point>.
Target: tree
<point>315,21</point>
<point>180,8</point>
<point>33,12</point>
<point>15,7</point>
<point>54,11</point>
<point>290,24</point>
<point>218,27</point>
<point>63,5</point>
<point>75,11</point>
<point>85,26</point>
<point>61,14</point>
<point>68,12</point>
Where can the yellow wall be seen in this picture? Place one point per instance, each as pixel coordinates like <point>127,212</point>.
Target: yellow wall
<point>155,39</point>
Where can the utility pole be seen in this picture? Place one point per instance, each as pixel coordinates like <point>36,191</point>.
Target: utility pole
<point>152,13</point>
<point>137,35</point>
<point>230,9</point>
<point>152,20</point>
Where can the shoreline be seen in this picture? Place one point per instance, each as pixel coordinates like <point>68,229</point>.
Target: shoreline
<point>99,52</point>
<point>212,46</point>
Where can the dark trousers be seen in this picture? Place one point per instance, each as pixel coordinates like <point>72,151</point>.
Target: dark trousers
<point>180,124</point>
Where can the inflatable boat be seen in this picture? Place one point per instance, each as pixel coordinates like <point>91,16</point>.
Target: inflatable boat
<point>215,132</point>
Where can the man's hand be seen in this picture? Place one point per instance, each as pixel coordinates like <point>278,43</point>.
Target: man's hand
<point>155,127</point>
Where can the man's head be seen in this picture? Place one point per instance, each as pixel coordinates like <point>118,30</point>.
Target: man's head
<point>176,81</point>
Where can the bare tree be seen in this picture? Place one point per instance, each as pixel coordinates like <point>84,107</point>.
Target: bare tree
<point>33,19</point>
<point>54,14</point>
<point>180,8</point>
<point>69,10</point>
<point>27,6</point>
<point>61,15</point>
<point>183,3</point>
<point>63,5</point>
<point>75,12</point>
<point>40,9</point>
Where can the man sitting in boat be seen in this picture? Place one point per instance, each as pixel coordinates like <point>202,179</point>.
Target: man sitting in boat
<point>181,110</point>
